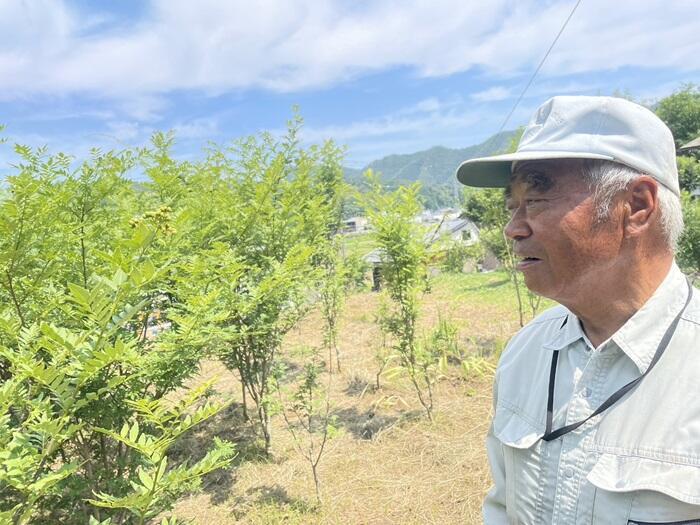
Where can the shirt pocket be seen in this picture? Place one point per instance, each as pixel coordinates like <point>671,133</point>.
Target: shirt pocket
<point>523,461</point>
<point>647,490</point>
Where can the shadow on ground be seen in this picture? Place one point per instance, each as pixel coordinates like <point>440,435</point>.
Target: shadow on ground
<point>230,425</point>
<point>367,424</point>
<point>358,385</point>
<point>274,496</point>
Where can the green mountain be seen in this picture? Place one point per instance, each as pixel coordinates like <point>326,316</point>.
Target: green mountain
<point>434,168</point>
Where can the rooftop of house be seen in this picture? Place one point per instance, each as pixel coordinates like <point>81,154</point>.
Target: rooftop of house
<point>693,144</point>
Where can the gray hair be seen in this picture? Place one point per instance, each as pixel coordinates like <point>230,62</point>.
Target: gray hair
<point>606,179</point>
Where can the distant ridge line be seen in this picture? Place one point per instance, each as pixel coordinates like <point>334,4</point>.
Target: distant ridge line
<point>435,165</point>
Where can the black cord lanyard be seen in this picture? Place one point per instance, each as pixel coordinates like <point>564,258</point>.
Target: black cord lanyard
<point>549,435</point>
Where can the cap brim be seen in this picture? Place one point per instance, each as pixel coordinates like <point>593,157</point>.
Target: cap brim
<point>495,172</point>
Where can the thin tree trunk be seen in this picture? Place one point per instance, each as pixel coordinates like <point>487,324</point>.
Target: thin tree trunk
<point>514,277</point>
<point>337,355</point>
<point>15,301</point>
<point>517,295</point>
<point>265,423</point>
<point>246,417</point>
<point>427,406</point>
<point>83,257</point>
<point>317,483</point>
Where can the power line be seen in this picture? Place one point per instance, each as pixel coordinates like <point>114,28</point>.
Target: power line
<point>544,58</point>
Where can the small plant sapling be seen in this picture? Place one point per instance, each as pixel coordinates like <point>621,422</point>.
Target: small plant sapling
<point>306,412</point>
<point>402,245</point>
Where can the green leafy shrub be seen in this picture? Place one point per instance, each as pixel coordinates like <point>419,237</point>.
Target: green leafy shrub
<point>356,270</point>
<point>70,409</point>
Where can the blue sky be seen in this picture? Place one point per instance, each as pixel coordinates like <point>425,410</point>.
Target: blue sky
<point>381,77</point>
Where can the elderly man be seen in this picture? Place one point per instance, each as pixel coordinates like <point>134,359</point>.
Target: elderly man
<point>596,401</point>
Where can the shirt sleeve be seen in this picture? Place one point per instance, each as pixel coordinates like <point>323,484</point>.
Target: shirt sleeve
<point>494,508</point>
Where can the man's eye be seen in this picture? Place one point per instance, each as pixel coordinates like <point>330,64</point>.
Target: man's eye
<point>530,202</point>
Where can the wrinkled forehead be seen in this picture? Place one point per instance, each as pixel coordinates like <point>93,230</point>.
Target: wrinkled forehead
<point>543,175</point>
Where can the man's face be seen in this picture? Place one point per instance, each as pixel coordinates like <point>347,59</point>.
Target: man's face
<point>560,245</point>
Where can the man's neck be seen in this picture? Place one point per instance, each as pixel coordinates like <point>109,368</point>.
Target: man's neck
<point>621,299</point>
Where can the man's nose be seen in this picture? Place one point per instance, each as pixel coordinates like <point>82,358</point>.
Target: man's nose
<point>517,228</point>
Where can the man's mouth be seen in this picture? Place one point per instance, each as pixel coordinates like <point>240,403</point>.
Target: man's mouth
<point>526,262</point>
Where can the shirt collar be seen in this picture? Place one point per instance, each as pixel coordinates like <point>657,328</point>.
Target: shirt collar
<point>640,336</point>
<point>569,332</point>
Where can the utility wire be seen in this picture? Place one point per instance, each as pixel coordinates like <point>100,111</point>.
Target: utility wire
<point>544,58</point>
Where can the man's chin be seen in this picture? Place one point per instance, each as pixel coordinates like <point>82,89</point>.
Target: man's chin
<point>535,285</point>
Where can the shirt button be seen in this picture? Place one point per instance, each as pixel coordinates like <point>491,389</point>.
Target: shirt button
<point>569,472</point>
<point>586,392</point>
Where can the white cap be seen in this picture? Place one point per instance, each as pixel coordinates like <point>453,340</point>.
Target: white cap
<point>606,128</point>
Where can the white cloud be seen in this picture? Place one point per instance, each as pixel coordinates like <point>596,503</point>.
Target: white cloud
<point>289,45</point>
<point>492,94</point>
<point>197,129</point>
<point>404,121</point>
<point>145,108</point>
<point>426,105</point>
<point>59,114</point>
<point>123,132</point>
<point>452,123</point>
<point>431,105</point>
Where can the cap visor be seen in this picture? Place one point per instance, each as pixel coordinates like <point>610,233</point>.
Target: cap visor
<point>495,172</point>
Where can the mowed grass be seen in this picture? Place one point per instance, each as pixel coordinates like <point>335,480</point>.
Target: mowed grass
<point>388,464</point>
<point>358,244</point>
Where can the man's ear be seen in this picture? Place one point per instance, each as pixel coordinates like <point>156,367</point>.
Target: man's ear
<point>641,205</point>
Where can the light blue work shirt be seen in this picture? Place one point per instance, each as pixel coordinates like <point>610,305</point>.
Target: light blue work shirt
<point>638,462</point>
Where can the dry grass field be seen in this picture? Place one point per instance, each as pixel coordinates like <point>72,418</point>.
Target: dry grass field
<point>388,463</point>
